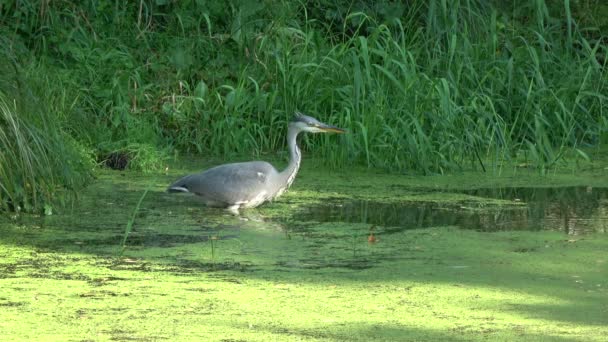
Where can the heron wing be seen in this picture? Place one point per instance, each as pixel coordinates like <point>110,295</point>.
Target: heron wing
<point>232,183</point>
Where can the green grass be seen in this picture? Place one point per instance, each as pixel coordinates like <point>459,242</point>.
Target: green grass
<point>39,162</point>
<point>131,221</point>
<point>421,86</point>
<point>427,90</point>
<point>272,277</point>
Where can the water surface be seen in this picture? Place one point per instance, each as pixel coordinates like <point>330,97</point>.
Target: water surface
<point>573,210</point>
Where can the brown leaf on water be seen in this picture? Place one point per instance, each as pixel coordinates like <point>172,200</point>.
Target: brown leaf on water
<point>371,238</point>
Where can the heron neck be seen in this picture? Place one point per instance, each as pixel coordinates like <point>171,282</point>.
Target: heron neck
<point>292,168</point>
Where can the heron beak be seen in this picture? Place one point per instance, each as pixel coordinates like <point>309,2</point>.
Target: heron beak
<point>331,129</point>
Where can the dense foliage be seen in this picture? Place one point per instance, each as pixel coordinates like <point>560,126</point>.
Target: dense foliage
<point>38,158</point>
<point>423,85</point>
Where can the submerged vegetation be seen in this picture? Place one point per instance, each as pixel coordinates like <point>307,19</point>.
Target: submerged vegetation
<point>426,86</point>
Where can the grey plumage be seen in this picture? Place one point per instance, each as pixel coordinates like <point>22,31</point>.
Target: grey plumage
<point>249,184</point>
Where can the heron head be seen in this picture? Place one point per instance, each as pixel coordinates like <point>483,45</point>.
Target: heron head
<point>309,124</point>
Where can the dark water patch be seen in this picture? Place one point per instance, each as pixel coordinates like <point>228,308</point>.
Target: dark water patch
<point>102,294</point>
<point>315,264</point>
<point>57,275</point>
<point>169,240</point>
<point>179,266</point>
<point>130,335</point>
<point>7,270</point>
<point>133,241</point>
<point>131,265</point>
<point>8,303</point>
<point>525,249</point>
<point>105,280</point>
<point>573,210</point>
<point>194,266</point>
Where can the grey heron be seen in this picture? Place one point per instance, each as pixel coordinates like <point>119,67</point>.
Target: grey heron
<point>249,184</point>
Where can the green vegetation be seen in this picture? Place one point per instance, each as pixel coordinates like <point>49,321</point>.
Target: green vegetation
<point>190,273</point>
<point>440,98</point>
<point>38,159</point>
<point>423,86</point>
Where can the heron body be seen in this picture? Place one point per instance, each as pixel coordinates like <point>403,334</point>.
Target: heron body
<point>249,184</point>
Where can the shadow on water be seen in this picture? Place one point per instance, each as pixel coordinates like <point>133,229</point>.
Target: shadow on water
<point>573,210</point>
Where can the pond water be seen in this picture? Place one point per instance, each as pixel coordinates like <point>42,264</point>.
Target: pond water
<point>573,210</point>
<point>183,265</point>
<point>335,233</point>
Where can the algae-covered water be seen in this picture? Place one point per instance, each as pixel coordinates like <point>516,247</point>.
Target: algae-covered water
<point>343,256</point>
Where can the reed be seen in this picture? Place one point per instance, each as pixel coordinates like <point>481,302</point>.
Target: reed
<point>422,86</point>
<point>39,163</point>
